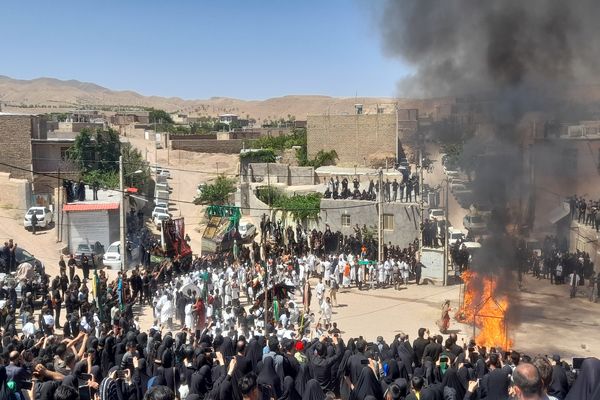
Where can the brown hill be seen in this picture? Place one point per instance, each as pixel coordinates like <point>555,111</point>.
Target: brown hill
<point>48,94</point>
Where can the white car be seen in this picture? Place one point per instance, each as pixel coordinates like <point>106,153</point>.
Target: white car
<point>436,213</point>
<point>159,218</point>
<point>43,214</point>
<point>454,235</point>
<point>475,223</point>
<point>161,204</point>
<point>246,230</point>
<point>160,210</point>
<point>112,258</point>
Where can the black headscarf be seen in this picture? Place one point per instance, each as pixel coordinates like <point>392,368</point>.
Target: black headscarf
<point>268,376</point>
<point>289,391</point>
<point>313,391</point>
<point>367,384</point>
<point>227,348</point>
<point>254,352</point>
<point>587,381</point>
<point>302,378</point>
<point>452,380</point>
<point>107,357</point>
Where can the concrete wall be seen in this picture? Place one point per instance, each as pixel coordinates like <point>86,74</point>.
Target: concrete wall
<point>15,193</point>
<point>406,218</point>
<point>276,173</point>
<point>232,146</point>
<point>302,176</point>
<point>15,144</point>
<point>250,204</point>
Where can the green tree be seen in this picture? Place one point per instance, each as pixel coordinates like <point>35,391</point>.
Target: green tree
<point>160,116</point>
<point>83,151</point>
<point>133,161</point>
<point>216,193</point>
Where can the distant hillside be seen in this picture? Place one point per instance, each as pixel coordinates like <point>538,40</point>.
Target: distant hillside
<point>48,94</point>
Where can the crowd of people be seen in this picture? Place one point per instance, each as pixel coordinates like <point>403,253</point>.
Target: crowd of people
<point>215,337</point>
<point>585,211</point>
<point>405,189</point>
<point>223,350</point>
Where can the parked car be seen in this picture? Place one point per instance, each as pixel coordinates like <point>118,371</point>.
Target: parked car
<point>163,186</point>
<point>159,218</point>
<point>160,210</point>
<point>436,213</point>
<point>43,214</point>
<point>161,204</point>
<point>163,172</point>
<point>112,257</point>
<point>246,230</point>
<point>88,249</point>
<point>22,256</point>
<point>475,223</point>
<point>454,235</point>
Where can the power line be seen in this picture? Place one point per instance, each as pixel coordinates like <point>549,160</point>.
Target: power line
<point>191,202</point>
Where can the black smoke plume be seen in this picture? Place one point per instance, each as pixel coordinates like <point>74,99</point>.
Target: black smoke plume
<point>520,55</point>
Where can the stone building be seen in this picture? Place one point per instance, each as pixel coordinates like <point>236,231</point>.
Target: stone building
<point>359,139</point>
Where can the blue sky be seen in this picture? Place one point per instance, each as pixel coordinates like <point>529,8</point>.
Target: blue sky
<point>199,49</point>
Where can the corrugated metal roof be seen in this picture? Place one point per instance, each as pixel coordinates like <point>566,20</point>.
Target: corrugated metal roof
<point>90,206</point>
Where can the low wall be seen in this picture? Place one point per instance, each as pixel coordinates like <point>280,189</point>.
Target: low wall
<point>276,173</point>
<point>232,146</point>
<point>15,193</point>
<point>302,176</point>
<point>250,204</point>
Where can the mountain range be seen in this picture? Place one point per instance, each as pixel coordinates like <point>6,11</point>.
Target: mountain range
<point>49,94</point>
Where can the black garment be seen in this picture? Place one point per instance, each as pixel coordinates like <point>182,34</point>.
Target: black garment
<point>289,391</point>
<point>355,365</point>
<point>201,382</point>
<point>419,345</point>
<point>559,385</point>
<point>452,380</point>
<point>366,385</point>
<point>494,386</point>
<point>321,366</point>
<point>588,381</point>
<point>433,350</point>
<point>313,391</point>
<point>302,378</point>
<point>269,377</point>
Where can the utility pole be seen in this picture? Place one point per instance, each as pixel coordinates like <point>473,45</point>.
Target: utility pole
<point>380,218</point>
<point>122,217</point>
<point>421,206</point>
<point>447,216</point>
<point>57,211</point>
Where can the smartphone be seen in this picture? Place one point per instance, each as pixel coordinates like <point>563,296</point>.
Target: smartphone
<point>27,385</point>
<point>85,377</point>
<point>577,361</point>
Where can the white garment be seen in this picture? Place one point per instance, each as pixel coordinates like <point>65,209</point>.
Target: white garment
<point>189,316</point>
<point>29,329</point>
<point>326,311</point>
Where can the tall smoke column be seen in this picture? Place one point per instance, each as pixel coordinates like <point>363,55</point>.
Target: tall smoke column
<point>521,55</point>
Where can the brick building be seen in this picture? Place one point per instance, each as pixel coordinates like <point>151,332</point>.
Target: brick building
<point>16,133</point>
<point>360,138</point>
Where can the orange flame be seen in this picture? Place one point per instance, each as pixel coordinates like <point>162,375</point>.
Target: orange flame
<point>485,307</point>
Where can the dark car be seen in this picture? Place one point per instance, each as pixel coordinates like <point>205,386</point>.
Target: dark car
<point>88,249</point>
<point>22,256</point>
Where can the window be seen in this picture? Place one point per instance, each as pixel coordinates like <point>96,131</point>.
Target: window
<point>345,220</point>
<point>388,222</point>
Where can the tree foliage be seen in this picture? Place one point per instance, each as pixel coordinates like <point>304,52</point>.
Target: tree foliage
<point>217,192</point>
<point>159,116</point>
<point>262,156</point>
<point>300,207</point>
<point>97,155</point>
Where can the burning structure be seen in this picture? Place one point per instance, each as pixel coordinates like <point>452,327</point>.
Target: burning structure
<point>519,58</point>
